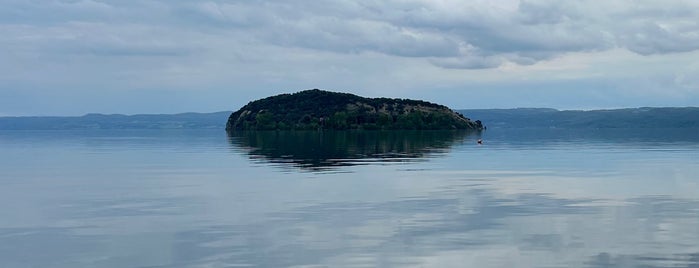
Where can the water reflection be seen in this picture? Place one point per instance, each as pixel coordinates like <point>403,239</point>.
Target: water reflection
<point>314,150</point>
<point>626,138</point>
<point>179,199</point>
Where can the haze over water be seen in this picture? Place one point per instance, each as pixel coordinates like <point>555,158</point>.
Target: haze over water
<point>201,198</point>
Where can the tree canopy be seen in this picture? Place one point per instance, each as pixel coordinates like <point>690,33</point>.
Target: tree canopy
<point>319,109</point>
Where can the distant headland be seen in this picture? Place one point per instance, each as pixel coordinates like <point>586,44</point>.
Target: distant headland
<point>319,109</point>
<point>629,118</point>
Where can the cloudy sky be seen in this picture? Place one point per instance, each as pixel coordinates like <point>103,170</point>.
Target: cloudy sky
<point>70,57</point>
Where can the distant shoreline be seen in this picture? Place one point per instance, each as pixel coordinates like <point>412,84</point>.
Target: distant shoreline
<point>646,117</point>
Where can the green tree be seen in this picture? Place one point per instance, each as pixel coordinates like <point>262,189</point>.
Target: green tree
<point>338,120</point>
<point>265,121</point>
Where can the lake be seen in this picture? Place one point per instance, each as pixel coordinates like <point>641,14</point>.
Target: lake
<point>202,198</point>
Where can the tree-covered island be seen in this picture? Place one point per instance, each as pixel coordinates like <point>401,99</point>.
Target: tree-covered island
<point>318,109</point>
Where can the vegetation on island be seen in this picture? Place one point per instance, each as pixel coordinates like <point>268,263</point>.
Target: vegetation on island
<point>318,109</point>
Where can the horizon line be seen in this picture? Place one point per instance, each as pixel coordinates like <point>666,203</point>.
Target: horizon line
<point>454,109</point>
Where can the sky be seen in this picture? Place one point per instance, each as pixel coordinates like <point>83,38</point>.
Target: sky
<point>71,57</point>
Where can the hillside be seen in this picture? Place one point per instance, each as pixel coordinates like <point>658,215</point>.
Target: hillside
<point>674,117</point>
<point>687,117</point>
<point>319,109</point>
<point>116,121</point>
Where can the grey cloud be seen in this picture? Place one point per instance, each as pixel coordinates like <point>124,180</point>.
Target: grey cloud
<point>320,27</point>
<point>522,33</point>
<point>95,38</point>
<point>643,27</point>
<point>130,50</point>
<point>78,45</point>
<point>652,38</point>
<point>361,35</point>
<point>47,12</point>
<point>538,30</point>
<point>224,15</point>
<point>549,12</point>
<point>468,62</point>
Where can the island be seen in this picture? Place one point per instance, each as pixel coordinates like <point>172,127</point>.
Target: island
<point>319,109</point>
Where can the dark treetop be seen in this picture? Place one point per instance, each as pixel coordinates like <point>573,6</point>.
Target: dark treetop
<point>319,109</point>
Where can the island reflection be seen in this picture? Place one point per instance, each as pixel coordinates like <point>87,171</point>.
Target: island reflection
<point>324,150</point>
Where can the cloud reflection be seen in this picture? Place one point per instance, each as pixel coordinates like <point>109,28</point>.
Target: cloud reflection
<point>472,227</point>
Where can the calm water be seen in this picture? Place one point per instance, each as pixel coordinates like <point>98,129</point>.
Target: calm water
<point>525,198</point>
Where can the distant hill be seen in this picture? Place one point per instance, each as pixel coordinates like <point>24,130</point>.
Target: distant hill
<point>493,118</point>
<point>319,109</point>
<point>117,121</point>
<point>684,117</point>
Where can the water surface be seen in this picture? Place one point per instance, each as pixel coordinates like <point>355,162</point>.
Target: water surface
<point>202,198</point>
